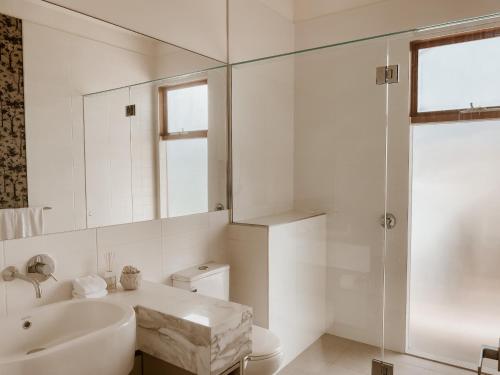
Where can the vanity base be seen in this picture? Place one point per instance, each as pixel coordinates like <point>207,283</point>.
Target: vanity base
<point>146,364</point>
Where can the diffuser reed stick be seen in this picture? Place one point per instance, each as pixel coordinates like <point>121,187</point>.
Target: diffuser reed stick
<point>109,275</point>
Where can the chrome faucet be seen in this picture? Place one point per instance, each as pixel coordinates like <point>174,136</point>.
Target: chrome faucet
<point>39,268</point>
<point>11,273</point>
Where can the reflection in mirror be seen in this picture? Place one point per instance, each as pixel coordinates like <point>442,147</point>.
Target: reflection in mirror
<point>165,157</point>
<point>70,141</point>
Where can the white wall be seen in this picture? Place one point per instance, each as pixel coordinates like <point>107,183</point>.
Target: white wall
<point>263,120</point>
<point>249,277</point>
<point>280,271</point>
<point>297,283</point>
<point>158,248</point>
<point>143,153</point>
<point>262,107</point>
<point>198,25</point>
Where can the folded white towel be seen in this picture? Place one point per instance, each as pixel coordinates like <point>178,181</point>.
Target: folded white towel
<point>100,294</point>
<point>90,284</point>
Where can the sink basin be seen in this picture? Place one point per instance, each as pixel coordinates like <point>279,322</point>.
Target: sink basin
<point>71,337</point>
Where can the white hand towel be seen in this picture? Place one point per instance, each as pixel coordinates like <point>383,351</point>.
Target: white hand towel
<point>100,294</point>
<point>90,284</point>
<point>21,222</point>
<point>7,224</point>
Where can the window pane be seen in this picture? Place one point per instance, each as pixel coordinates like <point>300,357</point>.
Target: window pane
<point>187,109</point>
<point>455,75</point>
<point>187,176</point>
<point>455,208</point>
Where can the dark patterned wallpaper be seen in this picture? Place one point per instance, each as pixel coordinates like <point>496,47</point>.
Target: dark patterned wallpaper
<point>13,177</point>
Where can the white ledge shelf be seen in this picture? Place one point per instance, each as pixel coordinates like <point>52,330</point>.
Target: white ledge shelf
<point>281,218</point>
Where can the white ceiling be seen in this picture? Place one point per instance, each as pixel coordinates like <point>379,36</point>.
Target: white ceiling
<point>300,10</point>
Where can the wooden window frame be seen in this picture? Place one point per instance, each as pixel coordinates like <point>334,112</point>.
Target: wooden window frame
<point>163,112</point>
<point>453,114</point>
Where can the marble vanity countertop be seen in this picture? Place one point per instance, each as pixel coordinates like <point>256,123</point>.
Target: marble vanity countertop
<point>200,334</point>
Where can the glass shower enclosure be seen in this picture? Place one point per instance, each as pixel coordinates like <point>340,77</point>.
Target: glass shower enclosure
<point>328,131</point>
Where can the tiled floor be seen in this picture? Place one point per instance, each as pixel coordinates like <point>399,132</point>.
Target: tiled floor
<point>331,355</point>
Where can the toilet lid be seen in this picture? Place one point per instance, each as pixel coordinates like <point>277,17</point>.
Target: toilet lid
<point>264,343</point>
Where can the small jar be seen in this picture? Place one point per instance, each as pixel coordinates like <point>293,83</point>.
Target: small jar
<point>131,281</point>
<point>110,278</point>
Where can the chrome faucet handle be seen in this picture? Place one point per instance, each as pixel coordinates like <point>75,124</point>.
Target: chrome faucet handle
<point>8,274</point>
<point>42,267</point>
<point>45,270</point>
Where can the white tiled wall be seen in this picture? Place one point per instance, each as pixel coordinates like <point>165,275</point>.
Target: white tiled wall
<point>263,138</point>
<point>297,283</point>
<point>138,244</point>
<point>280,271</point>
<point>248,255</point>
<point>74,254</point>
<point>158,248</point>
<point>191,240</point>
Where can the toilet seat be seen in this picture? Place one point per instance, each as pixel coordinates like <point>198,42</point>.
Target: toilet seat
<point>266,357</point>
<point>265,344</point>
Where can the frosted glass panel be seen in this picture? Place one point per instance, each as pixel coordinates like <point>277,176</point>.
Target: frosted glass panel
<point>187,181</point>
<point>187,109</point>
<point>455,241</point>
<point>455,75</point>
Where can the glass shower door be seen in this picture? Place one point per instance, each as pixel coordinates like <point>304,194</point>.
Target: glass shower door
<point>340,129</point>
<point>309,136</point>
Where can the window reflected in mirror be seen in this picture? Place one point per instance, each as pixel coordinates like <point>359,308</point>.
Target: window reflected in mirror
<point>185,131</point>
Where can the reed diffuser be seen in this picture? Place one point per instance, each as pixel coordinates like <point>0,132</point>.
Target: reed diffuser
<point>109,275</point>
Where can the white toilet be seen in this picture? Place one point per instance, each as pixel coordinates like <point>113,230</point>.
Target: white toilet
<point>212,279</point>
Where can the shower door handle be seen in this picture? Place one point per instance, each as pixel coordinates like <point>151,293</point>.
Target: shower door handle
<point>388,221</point>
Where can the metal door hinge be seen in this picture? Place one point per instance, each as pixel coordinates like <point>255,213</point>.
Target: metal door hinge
<point>489,352</point>
<point>130,110</point>
<point>382,368</point>
<point>387,74</point>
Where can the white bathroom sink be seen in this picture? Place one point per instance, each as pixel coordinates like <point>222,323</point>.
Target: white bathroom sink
<point>71,337</point>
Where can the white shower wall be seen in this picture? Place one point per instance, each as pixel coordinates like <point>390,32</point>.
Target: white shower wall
<point>263,138</point>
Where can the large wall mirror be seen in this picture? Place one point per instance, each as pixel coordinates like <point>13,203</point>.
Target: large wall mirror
<point>103,126</point>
